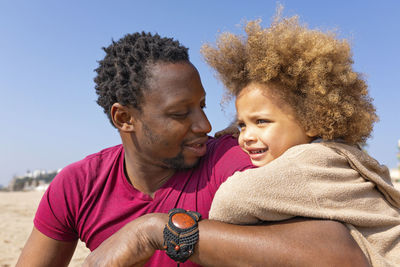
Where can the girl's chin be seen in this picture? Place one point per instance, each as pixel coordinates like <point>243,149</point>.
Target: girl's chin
<point>260,161</point>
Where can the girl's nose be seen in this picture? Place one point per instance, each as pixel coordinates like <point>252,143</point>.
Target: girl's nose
<point>248,135</point>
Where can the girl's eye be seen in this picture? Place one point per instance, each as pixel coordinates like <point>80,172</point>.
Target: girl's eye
<point>241,125</point>
<point>261,121</point>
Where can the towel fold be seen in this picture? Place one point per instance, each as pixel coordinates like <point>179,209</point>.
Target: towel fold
<point>326,180</point>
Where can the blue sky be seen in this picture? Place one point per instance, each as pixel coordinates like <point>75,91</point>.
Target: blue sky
<point>49,49</point>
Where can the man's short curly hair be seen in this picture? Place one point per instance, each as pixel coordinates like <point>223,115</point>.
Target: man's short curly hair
<point>312,70</point>
<point>122,74</point>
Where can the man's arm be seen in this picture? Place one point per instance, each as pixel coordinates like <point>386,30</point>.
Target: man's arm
<point>41,250</point>
<point>296,242</point>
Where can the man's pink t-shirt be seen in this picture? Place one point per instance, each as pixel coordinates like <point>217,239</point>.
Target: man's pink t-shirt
<point>92,198</point>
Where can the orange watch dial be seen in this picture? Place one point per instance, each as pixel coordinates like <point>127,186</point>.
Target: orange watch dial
<point>182,220</point>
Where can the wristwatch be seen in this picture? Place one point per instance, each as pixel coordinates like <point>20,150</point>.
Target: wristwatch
<point>181,234</point>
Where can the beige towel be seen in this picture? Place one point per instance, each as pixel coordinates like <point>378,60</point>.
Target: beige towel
<point>325,180</point>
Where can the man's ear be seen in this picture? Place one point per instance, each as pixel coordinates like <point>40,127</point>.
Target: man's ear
<point>122,118</point>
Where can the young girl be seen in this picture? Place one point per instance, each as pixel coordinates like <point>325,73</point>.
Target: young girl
<point>302,110</point>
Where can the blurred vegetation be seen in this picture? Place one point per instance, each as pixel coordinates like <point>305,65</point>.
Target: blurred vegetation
<point>28,182</point>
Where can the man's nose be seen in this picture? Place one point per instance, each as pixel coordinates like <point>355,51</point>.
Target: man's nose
<point>200,123</point>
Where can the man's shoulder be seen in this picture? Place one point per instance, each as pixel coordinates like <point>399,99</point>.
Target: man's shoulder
<point>104,154</point>
<point>224,152</point>
<point>94,162</point>
<point>222,144</point>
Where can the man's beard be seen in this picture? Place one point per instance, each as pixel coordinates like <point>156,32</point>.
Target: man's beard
<point>178,162</point>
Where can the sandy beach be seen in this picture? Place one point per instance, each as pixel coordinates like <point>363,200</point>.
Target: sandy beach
<point>17,210</point>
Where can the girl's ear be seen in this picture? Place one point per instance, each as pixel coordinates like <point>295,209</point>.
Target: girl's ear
<point>122,118</point>
<point>312,133</point>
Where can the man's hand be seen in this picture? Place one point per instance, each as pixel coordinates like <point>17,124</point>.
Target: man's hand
<point>132,245</point>
<point>231,129</point>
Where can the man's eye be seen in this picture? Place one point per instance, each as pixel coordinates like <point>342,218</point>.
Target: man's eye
<point>179,115</point>
<point>203,104</point>
<point>241,125</point>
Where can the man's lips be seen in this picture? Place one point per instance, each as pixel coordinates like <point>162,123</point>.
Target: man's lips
<point>197,146</point>
<point>197,141</point>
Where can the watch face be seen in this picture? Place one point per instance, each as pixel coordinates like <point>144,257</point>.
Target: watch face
<point>182,220</point>
<point>181,234</point>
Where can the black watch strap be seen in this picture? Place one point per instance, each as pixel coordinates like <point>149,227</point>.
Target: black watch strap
<point>181,234</point>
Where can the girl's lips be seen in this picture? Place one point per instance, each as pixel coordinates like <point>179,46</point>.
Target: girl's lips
<point>256,154</point>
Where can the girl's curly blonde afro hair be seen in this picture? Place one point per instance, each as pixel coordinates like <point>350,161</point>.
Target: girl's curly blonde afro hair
<point>312,71</point>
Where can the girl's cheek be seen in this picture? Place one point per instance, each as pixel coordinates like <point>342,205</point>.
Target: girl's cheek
<point>240,140</point>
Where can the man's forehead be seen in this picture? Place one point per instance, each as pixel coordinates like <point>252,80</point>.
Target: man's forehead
<point>175,98</point>
<point>169,70</point>
<point>173,84</point>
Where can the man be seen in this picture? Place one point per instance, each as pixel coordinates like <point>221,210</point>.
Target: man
<point>117,200</point>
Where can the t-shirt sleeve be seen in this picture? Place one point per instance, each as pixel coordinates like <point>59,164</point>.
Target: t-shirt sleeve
<point>54,216</point>
<point>227,158</point>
